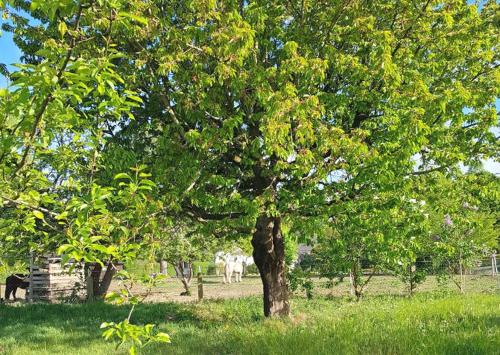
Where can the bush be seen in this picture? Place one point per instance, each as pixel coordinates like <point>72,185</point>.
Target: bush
<point>205,266</point>
<point>300,277</point>
<point>291,251</point>
<point>252,269</point>
<point>211,269</point>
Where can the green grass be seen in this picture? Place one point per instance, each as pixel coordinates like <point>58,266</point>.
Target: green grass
<point>429,323</point>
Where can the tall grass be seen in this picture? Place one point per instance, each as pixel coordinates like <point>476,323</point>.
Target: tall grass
<point>430,323</point>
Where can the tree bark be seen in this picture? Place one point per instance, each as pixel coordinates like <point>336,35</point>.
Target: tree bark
<point>107,278</point>
<point>101,287</point>
<point>351,284</point>
<point>96,278</point>
<point>269,256</point>
<point>89,282</point>
<point>411,271</point>
<point>163,267</point>
<point>185,279</point>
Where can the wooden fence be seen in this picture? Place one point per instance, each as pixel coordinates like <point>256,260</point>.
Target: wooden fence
<point>50,281</point>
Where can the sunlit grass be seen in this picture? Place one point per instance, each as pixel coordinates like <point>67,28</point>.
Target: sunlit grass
<point>430,323</point>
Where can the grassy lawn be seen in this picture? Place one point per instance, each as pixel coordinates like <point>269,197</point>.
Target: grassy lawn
<point>429,323</point>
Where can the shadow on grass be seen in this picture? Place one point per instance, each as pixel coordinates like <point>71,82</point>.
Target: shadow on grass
<point>32,322</point>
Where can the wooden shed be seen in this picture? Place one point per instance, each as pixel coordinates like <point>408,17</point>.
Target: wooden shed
<point>52,282</point>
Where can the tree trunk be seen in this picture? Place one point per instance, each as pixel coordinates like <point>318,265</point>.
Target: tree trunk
<point>269,256</point>
<point>89,282</point>
<point>107,278</point>
<point>185,279</point>
<point>462,277</point>
<point>412,269</point>
<point>100,287</point>
<point>200,287</point>
<point>179,269</point>
<point>96,278</point>
<point>356,279</point>
<point>163,267</point>
<point>351,284</point>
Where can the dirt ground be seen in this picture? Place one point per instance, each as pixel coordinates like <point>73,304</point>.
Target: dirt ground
<point>213,288</point>
<point>171,288</point>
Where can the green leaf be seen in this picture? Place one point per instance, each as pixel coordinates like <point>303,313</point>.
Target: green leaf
<point>140,19</point>
<point>122,176</point>
<point>63,248</point>
<point>38,214</point>
<point>106,325</point>
<point>163,337</point>
<point>62,28</point>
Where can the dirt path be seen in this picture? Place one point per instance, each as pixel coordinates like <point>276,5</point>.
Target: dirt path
<point>213,288</point>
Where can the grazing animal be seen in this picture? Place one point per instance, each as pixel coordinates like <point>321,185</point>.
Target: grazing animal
<point>233,264</point>
<point>247,261</point>
<point>219,261</point>
<point>238,267</point>
<point>13,282</point>
<point>228,268</point>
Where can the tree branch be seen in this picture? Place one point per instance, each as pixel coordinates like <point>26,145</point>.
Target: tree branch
<point>203,216</point>
<point>49,97</point>
<point>23,203</point>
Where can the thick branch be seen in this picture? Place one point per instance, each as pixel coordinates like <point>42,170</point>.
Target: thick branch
<point>203,215</point>
<point>23,203</point>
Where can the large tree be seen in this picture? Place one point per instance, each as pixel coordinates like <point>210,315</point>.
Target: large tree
<point>267,103</point>
<point>256,113</point>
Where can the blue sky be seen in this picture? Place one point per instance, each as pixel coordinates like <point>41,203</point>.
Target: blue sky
<point>10,53</point>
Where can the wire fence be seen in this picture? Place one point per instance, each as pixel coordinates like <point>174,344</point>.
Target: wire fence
<point>483,266</point>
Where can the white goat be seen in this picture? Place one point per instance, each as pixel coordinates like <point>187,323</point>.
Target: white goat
<point>233,264</point>
<point>219,261</point>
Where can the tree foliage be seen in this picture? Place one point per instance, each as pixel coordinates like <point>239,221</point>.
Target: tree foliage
<point>253,117</point>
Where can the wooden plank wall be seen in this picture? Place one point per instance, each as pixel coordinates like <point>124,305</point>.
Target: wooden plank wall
<point>51,282</point>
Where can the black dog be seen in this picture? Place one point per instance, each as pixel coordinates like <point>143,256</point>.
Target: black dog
<point>13,282</point>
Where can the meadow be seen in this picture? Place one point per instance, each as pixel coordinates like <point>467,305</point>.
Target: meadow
<point>434,321</point>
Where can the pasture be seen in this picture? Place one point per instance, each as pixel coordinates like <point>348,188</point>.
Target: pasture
<point>435,321</point>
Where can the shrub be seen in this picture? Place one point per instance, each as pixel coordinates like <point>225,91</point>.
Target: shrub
<point>252,269</point>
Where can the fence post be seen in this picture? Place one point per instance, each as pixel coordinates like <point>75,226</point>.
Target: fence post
<point>30,278</point>
<point>163,267</point>
<point>200,287</point>
<point>494,264</point>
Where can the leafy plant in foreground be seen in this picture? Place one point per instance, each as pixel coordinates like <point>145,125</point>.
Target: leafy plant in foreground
<point>124,332</point>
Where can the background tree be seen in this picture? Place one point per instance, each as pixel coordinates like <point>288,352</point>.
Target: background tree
<point>463,226</point>
<point>359,239</point>
<point>259,103</point>
<point>181,248</point>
